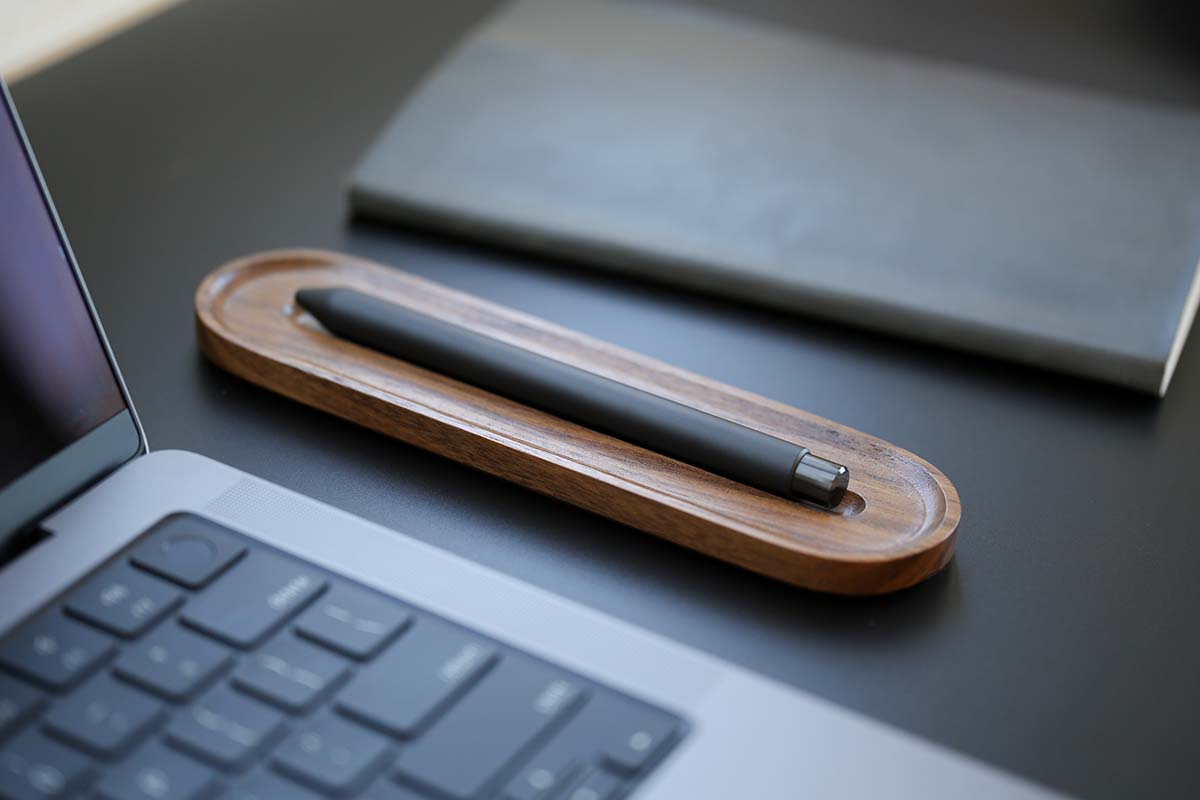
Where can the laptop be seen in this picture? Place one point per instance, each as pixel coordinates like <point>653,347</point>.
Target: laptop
<point>171,627</point>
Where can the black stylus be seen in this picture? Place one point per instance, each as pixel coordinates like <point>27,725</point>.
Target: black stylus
<point>647,420</point>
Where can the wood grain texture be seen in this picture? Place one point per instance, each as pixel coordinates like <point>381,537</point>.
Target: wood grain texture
<point>896,527</point>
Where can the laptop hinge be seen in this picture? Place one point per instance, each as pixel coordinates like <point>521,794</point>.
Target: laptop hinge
<point>25,539</point>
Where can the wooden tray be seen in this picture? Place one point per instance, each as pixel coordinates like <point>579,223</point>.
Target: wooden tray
<point>896,527</point>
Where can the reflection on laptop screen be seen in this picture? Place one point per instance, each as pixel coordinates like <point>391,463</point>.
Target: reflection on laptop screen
<point>55,381</point>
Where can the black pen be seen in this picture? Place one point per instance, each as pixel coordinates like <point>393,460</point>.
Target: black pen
<point>647,420</point>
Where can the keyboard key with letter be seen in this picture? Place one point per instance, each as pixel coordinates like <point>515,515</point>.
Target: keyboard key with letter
<point>123,601</point>
<point>157,773</point>
<point>411,681</point>
<point>501,717</point>
<point>172,662</point>
<point>594,785</point>
<point>386,789</point>
<point>103,717</point>
<point>55,651</point>
<point>224,727</point>
<point>352,621</point>
<point>290,673</point>
<point>263,785</point>
<point>637,734</point>
<point>33,766</point>
<point>332,754</point>
<point>18,702</point>
<point>258,594</point>
<point>546,774</point>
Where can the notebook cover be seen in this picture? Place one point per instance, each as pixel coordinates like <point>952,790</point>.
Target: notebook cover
<point>1011,218</point>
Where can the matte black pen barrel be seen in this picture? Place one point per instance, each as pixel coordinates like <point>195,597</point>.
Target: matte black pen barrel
<point>647,420</point>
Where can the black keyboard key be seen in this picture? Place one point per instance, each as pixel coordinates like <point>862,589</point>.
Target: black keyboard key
<point>54,651</point>
<point>263,785</point>
<point>122,600</point>
<point>172,662</point>
<point>352,621</point>
<point>595,785</point>
<point>331,754</point>
<point>188,550</point>
<point>636,734</point>
<point>33,766</point>
<point>257,595</point>
<point>502,717</point>
<point>386,789</point>
<point>545,775</point>
<point>103,717</point>
<point>157,773</point>
<point>224,727</point>
<point>18,702</point>
<point>406,686</point>
<point>290,673</point>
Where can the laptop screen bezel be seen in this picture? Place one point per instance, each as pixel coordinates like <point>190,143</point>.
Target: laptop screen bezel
<point>98,452</point>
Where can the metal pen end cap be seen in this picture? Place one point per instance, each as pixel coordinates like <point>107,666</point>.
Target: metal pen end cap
<point>820,480</point>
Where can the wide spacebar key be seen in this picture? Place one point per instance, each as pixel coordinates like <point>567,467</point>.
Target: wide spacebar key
<point>510,709</point>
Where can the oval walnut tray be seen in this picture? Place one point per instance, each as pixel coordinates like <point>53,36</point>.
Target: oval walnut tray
<point>896,527</point>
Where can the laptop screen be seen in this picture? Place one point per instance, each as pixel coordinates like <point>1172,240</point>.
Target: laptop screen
<point>56,384</point>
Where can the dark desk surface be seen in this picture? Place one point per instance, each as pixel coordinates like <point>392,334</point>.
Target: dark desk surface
<point>1062,642</point>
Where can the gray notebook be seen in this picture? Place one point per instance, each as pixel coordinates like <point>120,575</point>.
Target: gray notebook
<point>926,200</point>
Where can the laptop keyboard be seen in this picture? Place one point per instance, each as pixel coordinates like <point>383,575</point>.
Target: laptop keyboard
<point>200,663</point>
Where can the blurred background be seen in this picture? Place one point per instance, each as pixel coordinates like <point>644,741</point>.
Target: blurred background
<point>1137,39</point>
<point>37,33</point>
